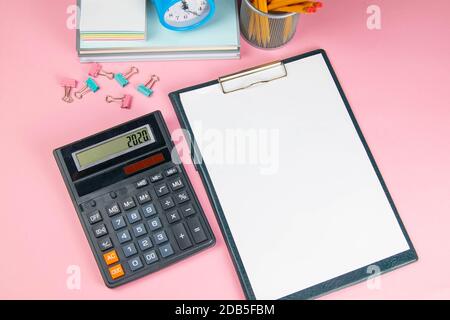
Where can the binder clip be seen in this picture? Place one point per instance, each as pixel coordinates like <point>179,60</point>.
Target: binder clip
<point>122,79</point>
<point>125,101</point>
<point>146,89</point>
<point>68,85</point>
<point>90,86</point>
<point>95,70</point>
<point>246,78</point>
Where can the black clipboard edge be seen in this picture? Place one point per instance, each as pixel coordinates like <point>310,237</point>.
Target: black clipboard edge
<point>345,280</point>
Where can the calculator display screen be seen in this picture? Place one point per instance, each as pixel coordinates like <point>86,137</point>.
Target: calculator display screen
<point>113,147</point>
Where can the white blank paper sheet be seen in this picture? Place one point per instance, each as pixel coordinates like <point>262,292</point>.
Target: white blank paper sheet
<point>310,207</point>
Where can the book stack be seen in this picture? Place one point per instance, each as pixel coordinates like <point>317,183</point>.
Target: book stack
<point>115,34</point>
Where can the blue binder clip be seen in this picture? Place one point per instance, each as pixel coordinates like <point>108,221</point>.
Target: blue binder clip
<point>90,86</point>
<point>122,79</point>
<point>146,89</point>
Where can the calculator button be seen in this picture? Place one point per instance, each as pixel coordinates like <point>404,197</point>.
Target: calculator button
<point>154,224</point>
<point>167,203</point>
<point>182,237</point>
<point>113,195</point>
<point>181,197</point>
<point>100,230</point>
<point>105,244</point>
<point>124,236</point>
<point>187,210</point>
<point>151,257</point>
<point>161,190</point>
<point>110,257</point>
<point>156,177</point>
<point>118,222</point>
<point>143,197</point>
<point>128,203</point>
<point>93,203</point>
<point>94,217</point>
<point>129,250</point>
<point>196,230</point>
<point>145,243</point>
<point>166,250</point>
<point>149,210</point>
<point>173,216</point>
<point>160,237</point>
<point>113,209</point>
<point>141,183</point>
<point>116,271</point>
<point>133,216</point>
<point>135,264</point>
<point>170,172</point>
<point>139,230</point>
<point>176,184</point>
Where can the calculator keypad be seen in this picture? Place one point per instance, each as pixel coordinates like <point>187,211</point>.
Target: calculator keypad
<point>150,222</point>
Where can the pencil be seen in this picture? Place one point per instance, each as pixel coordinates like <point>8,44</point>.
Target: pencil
<point>260,27</point>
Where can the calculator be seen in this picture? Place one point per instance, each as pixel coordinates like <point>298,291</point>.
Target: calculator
<point>134,199</point>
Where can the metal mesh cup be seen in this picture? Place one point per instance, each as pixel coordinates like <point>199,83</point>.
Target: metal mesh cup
<point>266,30</point>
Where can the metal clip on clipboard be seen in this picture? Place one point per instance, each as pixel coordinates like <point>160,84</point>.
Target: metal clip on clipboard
<point>250,77</point>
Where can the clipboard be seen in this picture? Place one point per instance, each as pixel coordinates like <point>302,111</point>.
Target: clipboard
<point>324,218</point>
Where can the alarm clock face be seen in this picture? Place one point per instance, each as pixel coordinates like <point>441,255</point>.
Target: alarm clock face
<point>187,13</point>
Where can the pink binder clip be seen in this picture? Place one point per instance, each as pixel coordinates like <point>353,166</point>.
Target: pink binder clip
<point>125,101</point>
<point>68,85</point>
<point>96,70</point>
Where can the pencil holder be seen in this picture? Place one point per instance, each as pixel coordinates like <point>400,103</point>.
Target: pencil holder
<point>266,30</point>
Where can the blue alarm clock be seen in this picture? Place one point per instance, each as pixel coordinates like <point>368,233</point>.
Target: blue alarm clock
<point>180,15</point>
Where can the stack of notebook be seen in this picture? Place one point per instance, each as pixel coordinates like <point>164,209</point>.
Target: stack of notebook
<point>218,39</point>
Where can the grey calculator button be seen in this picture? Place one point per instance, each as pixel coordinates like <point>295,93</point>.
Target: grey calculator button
<point>161,189</point>
<point>176,184</point>
<point>129,250</point>
<point>149,210</point>
<point>124,236</point>
<point>112,209</point>
<point>160,237</point>
<point>167,203</point>
<point>139,230</point>
<point>145,243</point>
<point>135,264</point>
<point>141,183</point>
<point>118,222</point>
<point>94,217</point>
<point>173,216</point>
<point>100,230</point>
<point>196,230</point>
<point>105,244</point>
<point>187,210</point>
<point>166,250</point>
<point>133,216</point>
<point>181,236</point>
<point>154,224</point>
<point>182,197</point>
<point>170,172</point>
<point>150,257</point>
<point>156,177</point>
<point>143,197</point>
<point>128,203</point>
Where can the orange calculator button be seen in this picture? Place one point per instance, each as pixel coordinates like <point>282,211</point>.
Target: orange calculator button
<point>110,257</point>
<point>116,271</point>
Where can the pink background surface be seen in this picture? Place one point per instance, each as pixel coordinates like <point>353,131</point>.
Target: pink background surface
<point>396,79</point>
